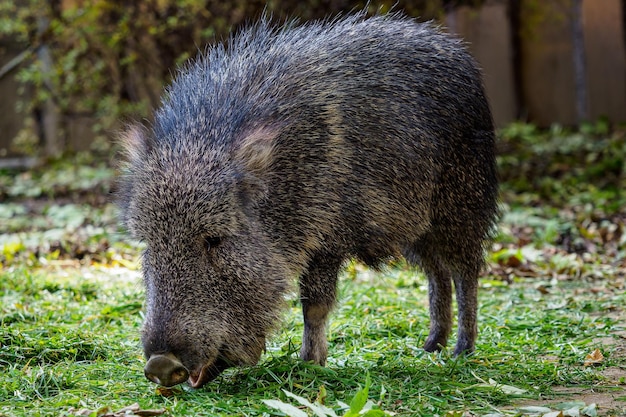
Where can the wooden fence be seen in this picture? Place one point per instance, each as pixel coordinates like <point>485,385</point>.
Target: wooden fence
<point>533,77</point>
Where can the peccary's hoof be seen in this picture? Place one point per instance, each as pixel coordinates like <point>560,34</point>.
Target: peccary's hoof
<point>166,370</point>
<point>435,343</point>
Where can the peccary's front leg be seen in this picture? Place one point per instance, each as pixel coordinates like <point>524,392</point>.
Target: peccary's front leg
<point>318,289</point>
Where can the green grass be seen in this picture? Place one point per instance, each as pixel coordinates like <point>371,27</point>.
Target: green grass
<point>71,306</point>
<point>71,340</point>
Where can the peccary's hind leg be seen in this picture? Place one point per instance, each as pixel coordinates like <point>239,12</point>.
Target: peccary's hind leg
<point>440,277</point>
<point>467,302</point>
<point>440,305</point>
<point>318,289</point>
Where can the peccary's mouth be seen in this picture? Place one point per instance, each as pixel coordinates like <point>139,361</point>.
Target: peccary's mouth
<point>206,373</point>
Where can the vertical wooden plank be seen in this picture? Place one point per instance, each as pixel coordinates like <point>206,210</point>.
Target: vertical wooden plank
<point>488,32</point>
<point>547,62</point>
<point>606,58</point>
<point>579,61</point>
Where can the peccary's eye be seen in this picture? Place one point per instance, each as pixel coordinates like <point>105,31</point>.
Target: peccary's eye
<point>211,242</point>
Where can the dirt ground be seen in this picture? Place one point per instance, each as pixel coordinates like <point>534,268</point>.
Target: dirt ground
<point>609,395</point>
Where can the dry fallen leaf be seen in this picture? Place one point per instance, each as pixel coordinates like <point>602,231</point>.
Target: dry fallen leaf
<point>166,392</point>
<point>543,290</point>
<point>594,358</point>
<point>149,413</point>
<point>81,412</point>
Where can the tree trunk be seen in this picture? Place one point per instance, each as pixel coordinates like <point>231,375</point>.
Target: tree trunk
<point>514,13</point>
<point>49,120</point>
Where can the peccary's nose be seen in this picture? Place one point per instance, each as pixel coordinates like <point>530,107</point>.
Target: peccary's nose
<point>166,370</point>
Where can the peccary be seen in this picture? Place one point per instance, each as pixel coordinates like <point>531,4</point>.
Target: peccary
<point>290,150</point>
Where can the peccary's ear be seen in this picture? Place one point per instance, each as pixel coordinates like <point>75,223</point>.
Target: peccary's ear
<point>135,143</point>
<point>254,154</point>
<point>256,148</point>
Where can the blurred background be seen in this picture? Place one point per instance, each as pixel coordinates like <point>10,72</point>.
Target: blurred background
<point>73,71</point>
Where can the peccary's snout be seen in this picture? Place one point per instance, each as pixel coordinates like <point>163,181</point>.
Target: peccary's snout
<point>166,370</point>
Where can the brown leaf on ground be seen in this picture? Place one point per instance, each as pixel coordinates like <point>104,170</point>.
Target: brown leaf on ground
<point>594,358</point>
<point>166,392</point>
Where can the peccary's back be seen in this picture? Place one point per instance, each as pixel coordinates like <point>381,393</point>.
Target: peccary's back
<point>385,132</point>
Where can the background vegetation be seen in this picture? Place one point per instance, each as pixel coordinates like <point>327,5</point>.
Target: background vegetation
<point>108,60</point>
